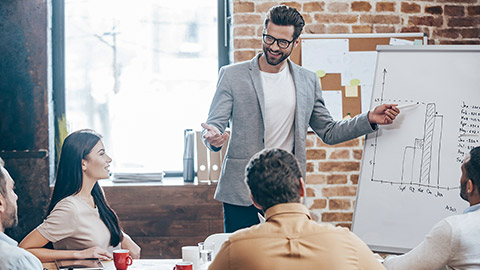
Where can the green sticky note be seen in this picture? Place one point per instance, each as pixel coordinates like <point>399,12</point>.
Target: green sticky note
<point>321,73</point>
<point>354,82</point>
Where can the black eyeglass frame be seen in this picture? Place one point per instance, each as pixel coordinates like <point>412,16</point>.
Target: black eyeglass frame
<point>278,40</point>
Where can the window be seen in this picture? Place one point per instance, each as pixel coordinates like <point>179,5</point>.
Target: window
<point>139,73</point>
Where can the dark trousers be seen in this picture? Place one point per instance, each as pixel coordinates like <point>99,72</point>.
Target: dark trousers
<point>238,217</point>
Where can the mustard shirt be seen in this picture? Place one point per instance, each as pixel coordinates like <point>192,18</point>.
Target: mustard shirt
<point>291,240</point>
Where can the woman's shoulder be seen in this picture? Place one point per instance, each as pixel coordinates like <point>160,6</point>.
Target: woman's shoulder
<point>67,203</point>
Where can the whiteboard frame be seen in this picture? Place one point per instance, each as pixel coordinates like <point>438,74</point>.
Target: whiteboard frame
<point>393,48</point>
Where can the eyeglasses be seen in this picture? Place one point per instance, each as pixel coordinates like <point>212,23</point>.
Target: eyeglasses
<point>282,43</point>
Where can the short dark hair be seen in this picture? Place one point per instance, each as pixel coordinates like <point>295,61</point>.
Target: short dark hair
<point>284,15</point>
<point>272,176</point>
<point>472,167</point>
<point>3,180</point>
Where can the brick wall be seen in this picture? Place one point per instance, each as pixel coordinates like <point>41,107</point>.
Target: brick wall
<point>332,172</point>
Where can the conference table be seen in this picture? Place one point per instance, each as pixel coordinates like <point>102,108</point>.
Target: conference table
<point>140,264</point>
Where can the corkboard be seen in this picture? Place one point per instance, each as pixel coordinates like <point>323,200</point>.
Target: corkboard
<point>357,42</point>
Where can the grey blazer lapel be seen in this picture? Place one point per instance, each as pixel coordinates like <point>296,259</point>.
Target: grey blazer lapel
<point>301,96</point>
<point>254,71</point>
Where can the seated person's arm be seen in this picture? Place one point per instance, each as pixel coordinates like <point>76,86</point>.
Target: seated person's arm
<point>34,242</point>
<point>128,243</point>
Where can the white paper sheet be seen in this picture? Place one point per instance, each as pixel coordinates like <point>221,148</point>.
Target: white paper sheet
<point>333,102</point>
<point>324,54</point>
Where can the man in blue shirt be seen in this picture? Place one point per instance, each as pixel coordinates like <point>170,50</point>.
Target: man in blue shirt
<point>11,256</point>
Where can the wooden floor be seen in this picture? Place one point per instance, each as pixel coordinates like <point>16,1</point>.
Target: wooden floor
<point>163,218</point>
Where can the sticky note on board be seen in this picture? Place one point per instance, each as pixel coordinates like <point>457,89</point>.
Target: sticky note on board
<point>351,91</point>
<point>321,73</point>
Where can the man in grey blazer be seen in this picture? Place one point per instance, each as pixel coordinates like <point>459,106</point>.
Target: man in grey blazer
<point>270,102</point>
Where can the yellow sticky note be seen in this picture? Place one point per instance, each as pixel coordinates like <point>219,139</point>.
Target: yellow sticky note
<point>355,82</point>
<point>321,73</point>
<point>351,91</point>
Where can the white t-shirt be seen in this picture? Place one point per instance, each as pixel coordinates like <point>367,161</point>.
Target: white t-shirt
<point>279,91</point>
<point>75,225</point>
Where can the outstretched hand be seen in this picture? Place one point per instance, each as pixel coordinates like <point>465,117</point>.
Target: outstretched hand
<point>383,114</point>
<point>95,252</point>
<point>213,135</point>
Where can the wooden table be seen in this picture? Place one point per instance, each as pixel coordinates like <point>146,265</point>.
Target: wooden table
<point>140,264</point>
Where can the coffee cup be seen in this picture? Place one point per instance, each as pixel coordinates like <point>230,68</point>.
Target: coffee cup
<point>183,266</point>
<point>122,259</point>
<point>191,254</point>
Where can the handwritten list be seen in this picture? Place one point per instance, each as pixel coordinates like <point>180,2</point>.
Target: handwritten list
<point>469,130</point>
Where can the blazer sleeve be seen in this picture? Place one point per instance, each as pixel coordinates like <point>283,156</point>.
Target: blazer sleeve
<point>221,107</point>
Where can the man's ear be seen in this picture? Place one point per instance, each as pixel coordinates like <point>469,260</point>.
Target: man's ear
<point>295,43</point>
<point>255,203</point>
<point>302,187</point>
<point>470,186</point>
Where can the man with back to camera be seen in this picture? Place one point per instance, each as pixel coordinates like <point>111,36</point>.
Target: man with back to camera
<point>289,239</point>
<point>454,242</point>
<point>11,256</point>
<point>270,102</point>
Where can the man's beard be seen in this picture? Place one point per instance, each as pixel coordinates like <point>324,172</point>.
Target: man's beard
<point>11,218</point>
<point>463,191</point>
<point>272,61</point>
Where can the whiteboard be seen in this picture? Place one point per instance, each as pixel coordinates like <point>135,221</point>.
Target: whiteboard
<point>410,172</point>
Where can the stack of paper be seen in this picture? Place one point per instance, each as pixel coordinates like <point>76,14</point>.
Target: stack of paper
<point>122,177</point>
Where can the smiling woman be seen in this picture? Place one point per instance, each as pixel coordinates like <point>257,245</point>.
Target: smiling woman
<point>80,223</point>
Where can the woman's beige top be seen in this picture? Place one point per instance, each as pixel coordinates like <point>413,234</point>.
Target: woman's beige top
<point>75,225</point>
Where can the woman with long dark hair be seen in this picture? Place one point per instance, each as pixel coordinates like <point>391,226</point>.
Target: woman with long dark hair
<point>80,223</point>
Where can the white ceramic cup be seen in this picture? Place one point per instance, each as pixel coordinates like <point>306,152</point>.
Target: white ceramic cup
<point>191,254</point>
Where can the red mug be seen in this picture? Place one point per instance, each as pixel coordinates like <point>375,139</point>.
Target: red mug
<point>183,266</point>
<point>122,259</point>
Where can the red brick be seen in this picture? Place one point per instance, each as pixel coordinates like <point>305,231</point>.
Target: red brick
<point>342,191</point>
<point>243,55</point>
<point>337,7</point>
<point>247,43</point>
<point>384,29</point>
<point>447,33</point>
<point>241,7</point>
<point>410,29</point>
<point>336,18</point>
<point>316,154</point>
<point>310,192</point>
<point>310,167</point>
<point>340,154</point>
<point>315,179</point>
<point>362,29</point>
<point>247,19</point>
<point>473,10</point>
<point>319,204</point>
<point>465,22</point>
<point>354,142</point>
<point>410,7</point>
<point>354,179</point>
<point>315,29</point>
<point>345,225</point>
<point>314,7</point>
<point>457,1</point>
<point>339,204</point>
<point>307,18</point>
<point>240,31</point>
<point>426,20</point>
<point>380,19</point>
<point>434,9</point>
<point>455,42</point>
<point>336,216</point>
<point>361,6</point>
<point>338,29</point>
<point>455,10</point>
<point>385,7</point>
<point>357,154</point>
<point>336,179</point>
<point>264,7</point>
<point>470,33</point>
<point>336,166</point>
<point>295,5</point>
